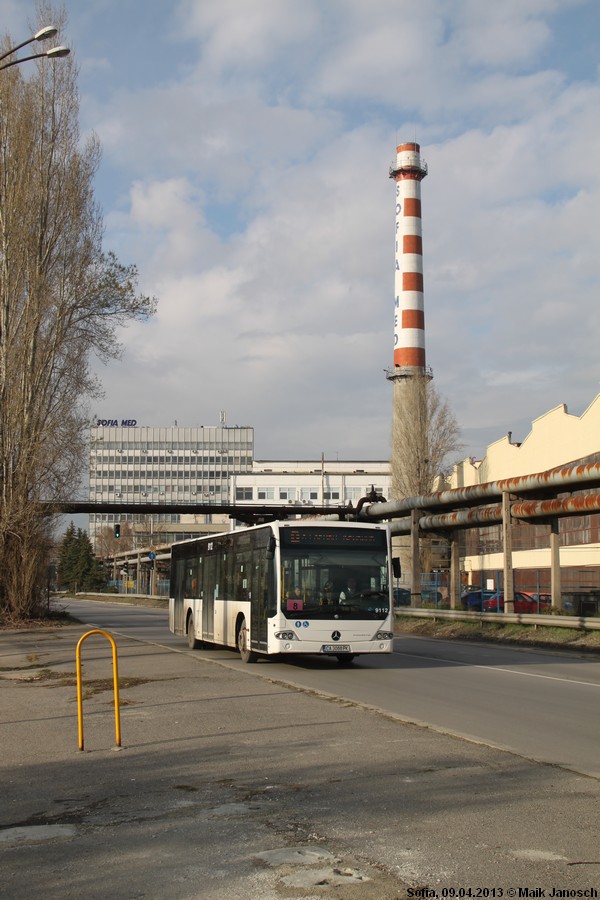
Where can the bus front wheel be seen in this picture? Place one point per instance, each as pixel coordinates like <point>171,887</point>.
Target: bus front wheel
<point>243,643</point>
<point>193,642</point>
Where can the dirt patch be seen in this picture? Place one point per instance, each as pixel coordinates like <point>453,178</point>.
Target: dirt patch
<point>90,686</point>
<point>55,618</point>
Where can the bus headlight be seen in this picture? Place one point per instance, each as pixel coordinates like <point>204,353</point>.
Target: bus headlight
<point>384,636</point>
<point>286,635</point>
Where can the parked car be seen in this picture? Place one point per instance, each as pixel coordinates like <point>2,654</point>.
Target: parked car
<point>582,602</point>
<point>543,598</point>
<point>401,596</point>
<point>430,595</point>
<point>524,603</point>
<point>473,600</point>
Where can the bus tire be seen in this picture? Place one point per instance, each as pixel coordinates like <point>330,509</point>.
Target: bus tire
<point>243,644</point>
<point>345,659</point>
<point>193,642</point>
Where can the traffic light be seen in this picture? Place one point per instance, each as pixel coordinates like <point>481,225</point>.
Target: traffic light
<point>118,530</point>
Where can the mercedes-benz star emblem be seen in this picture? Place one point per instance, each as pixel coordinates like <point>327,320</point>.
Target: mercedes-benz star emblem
<point>335,635</point>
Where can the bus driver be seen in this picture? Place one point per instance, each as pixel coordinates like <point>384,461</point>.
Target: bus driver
<point>350,591</point>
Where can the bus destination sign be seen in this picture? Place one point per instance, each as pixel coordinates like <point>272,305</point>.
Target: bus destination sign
<point>333,537</point>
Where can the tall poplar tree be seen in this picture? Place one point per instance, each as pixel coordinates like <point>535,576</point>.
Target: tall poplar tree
<point>424,434</point>
<point>62,298</point>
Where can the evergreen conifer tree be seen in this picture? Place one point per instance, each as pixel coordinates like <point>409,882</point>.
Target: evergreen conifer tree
<point>67,555</point>
<point>78,567</point>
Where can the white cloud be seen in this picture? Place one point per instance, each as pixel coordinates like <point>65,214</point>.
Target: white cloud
<point>501,34</point>
<point>238,35</point>
<point>247,178</point>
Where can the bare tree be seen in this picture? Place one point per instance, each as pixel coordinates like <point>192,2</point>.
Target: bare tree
<point>424,434</point>
<point>61,300</point>
<point>109,545</point>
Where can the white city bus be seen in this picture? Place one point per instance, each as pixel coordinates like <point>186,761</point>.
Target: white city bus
<point>289,588</point>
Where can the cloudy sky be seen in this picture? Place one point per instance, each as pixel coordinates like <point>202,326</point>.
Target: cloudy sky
<point>246,150</point>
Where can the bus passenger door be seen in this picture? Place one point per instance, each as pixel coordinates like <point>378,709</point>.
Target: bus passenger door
<point>176,611</point>
<point>259,607</point>
<point>208,572</point>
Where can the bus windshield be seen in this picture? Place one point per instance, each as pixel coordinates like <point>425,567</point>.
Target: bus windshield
<point>334,573</point>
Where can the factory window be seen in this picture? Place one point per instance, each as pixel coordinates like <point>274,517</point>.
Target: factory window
<point>266,493</point>
<point>287,493</point>
<point>353,493</point>
<point>243,493</point>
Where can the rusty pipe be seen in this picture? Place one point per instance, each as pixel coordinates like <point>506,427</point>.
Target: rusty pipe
<point>563,476</point>
<point>491,515</point>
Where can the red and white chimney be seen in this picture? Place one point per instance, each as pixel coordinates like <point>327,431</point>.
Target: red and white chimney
<point>409,320</point>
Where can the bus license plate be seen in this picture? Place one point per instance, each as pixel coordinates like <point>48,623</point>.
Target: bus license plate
<point>335,648</point>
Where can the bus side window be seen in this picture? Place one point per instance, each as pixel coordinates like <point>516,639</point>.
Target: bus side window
<point>226,574</point>
<point>191,578</point>
<point>177,577</point>
<point>200,578</point>
<point>243,574</point>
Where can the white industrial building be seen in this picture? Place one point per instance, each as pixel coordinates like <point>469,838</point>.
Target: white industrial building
<point>172,464</point>
<point>306,483</point>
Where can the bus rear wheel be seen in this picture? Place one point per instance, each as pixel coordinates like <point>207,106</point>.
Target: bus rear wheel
<point>243,643</point>
<point>193,642</point>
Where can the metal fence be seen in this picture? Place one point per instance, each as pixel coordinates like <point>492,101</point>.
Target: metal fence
<point>532,595</point>
<point>124,586</point>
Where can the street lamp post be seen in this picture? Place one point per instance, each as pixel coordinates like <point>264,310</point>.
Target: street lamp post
<point>43,34</point>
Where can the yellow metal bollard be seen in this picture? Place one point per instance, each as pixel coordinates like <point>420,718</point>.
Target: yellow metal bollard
<point>115,681</point>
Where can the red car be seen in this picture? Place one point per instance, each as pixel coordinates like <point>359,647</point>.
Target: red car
<point>524,603</point>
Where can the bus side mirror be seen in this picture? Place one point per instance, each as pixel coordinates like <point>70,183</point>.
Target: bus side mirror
<point>396,568</point>
<point>271,547</point>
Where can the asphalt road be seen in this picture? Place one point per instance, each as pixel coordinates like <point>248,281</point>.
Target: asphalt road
<point>237,782</point>
<point>538,704</point>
